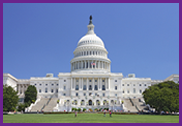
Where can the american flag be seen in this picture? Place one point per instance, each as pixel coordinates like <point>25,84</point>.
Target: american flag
<point>92,63</point>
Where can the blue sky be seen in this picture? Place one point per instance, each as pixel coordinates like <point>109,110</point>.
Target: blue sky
<point>140,38</point>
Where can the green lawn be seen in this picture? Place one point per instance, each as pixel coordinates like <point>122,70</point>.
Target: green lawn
<point>88,118</point>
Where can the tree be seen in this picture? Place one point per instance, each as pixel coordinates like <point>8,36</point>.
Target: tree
<point>10,98</point>
<point>30,95</point>
<point>163,96</point>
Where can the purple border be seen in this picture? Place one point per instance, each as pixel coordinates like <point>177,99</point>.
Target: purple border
<point>82,1</point>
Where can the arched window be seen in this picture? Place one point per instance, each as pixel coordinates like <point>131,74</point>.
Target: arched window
<point>90,52</point>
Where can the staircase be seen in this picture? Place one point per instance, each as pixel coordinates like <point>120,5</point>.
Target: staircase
<point>141,105</point>
<point>39,105</point>
<point>51,104</point>
<point>129,106</point>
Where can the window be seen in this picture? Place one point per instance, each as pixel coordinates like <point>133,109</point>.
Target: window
<point>84,94</point>
<point>115,80</point>
<point>45,90</point>
<point>90,94</point>
<point>95,80</point>
<point>134,90</point>
<point>84,87</point>
<point>40,84</point>
<point>103,80</point>
<point>90,87</point>
<point>123,85</point>
<point>95,94</point>
<point>64,94</point>
<point>35,84</point>
<point>39,90</point>
<point>103,94</point>
<point>77,87</point>
<point>133,84</point>
<point>52,84</point>
<point>57,84</point>
<point>128,85</point>
<point>77,80</point>
<point>140,91</point>
<point>90,80</point>
<point>56,90</point>
<point>123,91</point>
<point>116,95</point>
<point>96,87</point>
<point>103,87</point>
<point>115,87</point>
<point>145,85</point>
<point>64,80</point>
<point>46,84</point>
<point>128,91</point>
<point>76,94</point>
<point>52,90</point>
<point>140,85</point>
<point>64,87</point>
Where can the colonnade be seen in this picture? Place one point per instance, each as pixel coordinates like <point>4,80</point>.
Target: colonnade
<point>99,82</point>
<point>90,64</point>
<point>21,88</point>
<point>92,52</point>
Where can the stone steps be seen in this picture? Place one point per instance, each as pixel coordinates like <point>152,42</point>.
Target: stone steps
<point>39,105</point>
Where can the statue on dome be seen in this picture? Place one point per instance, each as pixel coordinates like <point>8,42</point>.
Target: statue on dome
<point>90,17</point>
<point>90,20</point>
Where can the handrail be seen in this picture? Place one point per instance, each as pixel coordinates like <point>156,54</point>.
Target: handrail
<point>131,102</point>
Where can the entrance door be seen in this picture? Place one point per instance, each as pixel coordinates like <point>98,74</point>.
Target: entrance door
<point>90,102</point>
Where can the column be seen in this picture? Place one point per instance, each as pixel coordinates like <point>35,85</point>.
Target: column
<point>82,65</point>
<point>98,83</point>
<point>102,64</point>
<point>108,83</point>
<point>85,64</point>
<point>101,83</point>
<point>88,64</point>
<point>87,84</point>
<point>71,83</point>
<point>92,65</point>
<point>95,64</point>
<point>82,83</point>
<point>78,64</point>
<point>23,89</point>
<point>93,84</point>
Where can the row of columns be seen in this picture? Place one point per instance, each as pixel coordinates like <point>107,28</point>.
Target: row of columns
<point>86,53</point>
<point>87,64</point>
<point>21,88</point>
<point>99,83</point>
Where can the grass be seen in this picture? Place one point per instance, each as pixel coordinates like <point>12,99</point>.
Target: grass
<point>88,118</point>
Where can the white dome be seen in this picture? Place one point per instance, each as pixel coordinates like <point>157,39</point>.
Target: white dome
<point>90,39</point>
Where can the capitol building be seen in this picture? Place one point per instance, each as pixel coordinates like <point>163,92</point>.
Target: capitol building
<point>90,83</point>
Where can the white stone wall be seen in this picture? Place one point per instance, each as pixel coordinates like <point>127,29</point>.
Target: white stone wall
<point>51,84</point>
<point>134,87</point>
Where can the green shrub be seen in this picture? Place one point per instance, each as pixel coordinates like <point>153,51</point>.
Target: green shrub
<point>79,109</point>
<point>84,109</point>
<point>73,109</point>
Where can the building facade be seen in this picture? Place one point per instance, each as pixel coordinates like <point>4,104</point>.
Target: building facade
<point>90,81</point>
